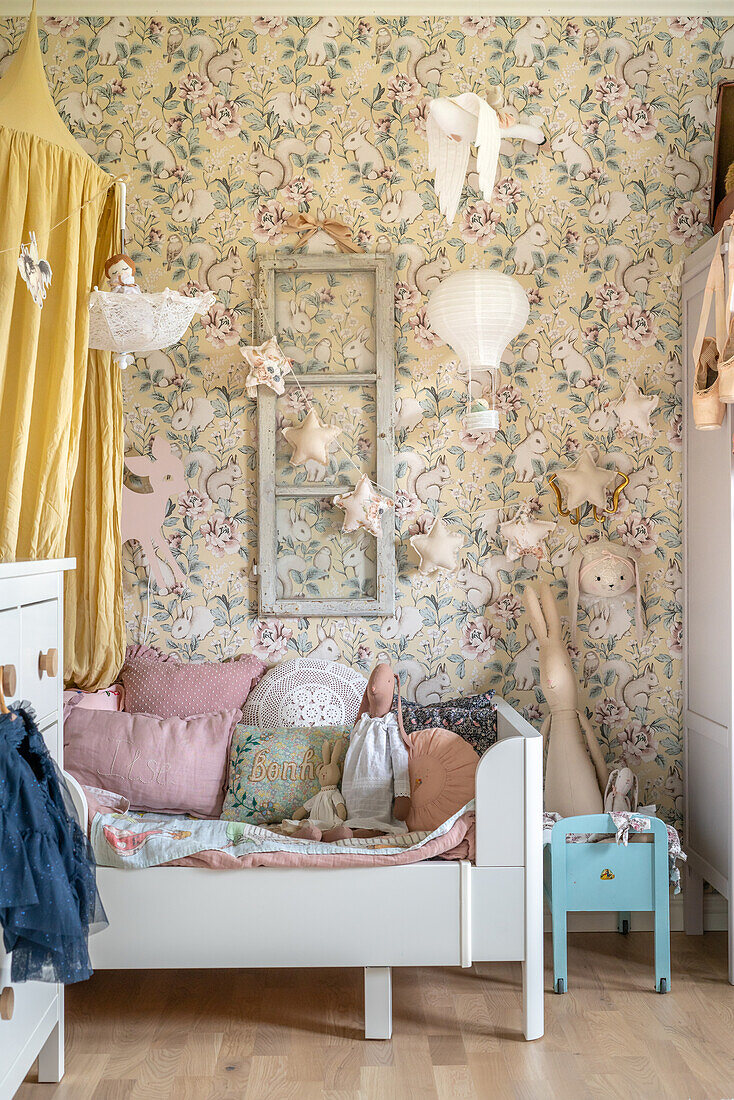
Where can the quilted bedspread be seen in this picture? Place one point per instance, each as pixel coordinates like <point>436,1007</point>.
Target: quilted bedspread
<point>135,840</point>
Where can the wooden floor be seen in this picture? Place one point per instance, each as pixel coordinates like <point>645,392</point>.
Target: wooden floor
<point>276,1035</point>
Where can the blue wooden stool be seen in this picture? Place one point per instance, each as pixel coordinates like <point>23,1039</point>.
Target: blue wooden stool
<point>598,877</point>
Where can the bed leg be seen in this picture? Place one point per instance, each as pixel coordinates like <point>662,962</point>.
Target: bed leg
<point>692,902</point>
<point>51,1054</point>
<point>377,1002</point>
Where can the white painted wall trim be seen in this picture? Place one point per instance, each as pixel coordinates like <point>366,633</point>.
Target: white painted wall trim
<point>416,8</point>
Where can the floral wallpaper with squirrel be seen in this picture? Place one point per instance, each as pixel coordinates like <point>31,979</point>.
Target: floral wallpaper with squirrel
<point>228,126</point>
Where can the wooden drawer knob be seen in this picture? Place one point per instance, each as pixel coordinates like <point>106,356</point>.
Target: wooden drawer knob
<point>9,681</point>
<point>7,1003</point>
<point>48,662</point>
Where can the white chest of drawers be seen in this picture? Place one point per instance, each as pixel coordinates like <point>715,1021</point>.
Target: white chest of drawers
<point>31,653</point>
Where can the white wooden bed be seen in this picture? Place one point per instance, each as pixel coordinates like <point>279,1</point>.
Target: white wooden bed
<point>425,914</point>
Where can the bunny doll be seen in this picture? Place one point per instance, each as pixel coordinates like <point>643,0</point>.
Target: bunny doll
<point>325,811</point>
<point>376,783</point>
<point>575,771</point>
<point>621,792</point>
<point>601,572</point>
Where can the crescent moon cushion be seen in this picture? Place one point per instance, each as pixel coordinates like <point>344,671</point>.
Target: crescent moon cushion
<point>442,773</point>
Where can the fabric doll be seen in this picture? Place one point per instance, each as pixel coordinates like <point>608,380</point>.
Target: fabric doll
<point>621,793</point>
<point>120,273</point>
<point>376,782</point>
<point>602,572</point>
<point>326,811</point>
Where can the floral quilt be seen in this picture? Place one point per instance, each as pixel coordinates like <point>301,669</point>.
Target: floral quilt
<point>136,840</point>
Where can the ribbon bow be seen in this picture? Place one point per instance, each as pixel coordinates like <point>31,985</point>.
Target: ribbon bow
<point>307,225</point>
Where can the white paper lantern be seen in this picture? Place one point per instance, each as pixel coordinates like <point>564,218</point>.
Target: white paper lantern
<point>478,313</point>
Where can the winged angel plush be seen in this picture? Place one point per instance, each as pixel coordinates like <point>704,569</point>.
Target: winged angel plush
<point>453,125</point>
<point>35,272</point>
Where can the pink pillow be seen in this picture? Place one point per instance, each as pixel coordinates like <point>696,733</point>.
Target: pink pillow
<point>442,772</point>
<point>170,765</point>
<point>111,698</point>
<point>165,686</point>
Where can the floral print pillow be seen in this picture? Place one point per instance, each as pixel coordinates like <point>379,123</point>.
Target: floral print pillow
<point>273,771</point>
<point>473,718</point>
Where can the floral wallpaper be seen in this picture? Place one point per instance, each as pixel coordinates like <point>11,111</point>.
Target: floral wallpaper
<point>226,127</point>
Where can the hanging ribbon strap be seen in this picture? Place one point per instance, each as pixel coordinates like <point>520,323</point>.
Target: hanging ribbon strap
<point>307,226</point>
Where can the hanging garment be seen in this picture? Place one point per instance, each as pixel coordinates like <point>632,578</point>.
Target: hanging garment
<point>48,893</point>
<point>375,773</point>
<point>60,405</point>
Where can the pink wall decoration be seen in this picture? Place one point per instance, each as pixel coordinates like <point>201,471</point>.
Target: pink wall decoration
<point>143,513</point>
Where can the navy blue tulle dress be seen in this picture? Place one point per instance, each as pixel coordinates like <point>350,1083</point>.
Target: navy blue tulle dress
<point>48,893</point>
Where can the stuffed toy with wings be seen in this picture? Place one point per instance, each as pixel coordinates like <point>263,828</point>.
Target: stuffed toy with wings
<point>35,272</point>
<point>452,126</point>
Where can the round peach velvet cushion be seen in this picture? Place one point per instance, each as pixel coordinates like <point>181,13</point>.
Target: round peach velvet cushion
<point>442,771</point>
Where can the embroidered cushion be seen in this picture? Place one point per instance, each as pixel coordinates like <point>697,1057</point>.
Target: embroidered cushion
<point>273,771</point>
<point>442,773</point>
<point>473,718</point>
<point>169,765</point>
<point>306,692</point>
<point>163,685</point>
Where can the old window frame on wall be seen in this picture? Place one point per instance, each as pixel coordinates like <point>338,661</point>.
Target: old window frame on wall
<point>383,379</point>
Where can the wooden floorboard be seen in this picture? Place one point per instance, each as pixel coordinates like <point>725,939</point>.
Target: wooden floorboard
<point>282,1034</point>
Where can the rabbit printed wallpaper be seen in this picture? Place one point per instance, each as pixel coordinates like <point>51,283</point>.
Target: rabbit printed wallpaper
<point>228,126</point>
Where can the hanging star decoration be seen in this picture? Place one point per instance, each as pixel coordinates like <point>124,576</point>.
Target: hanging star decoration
<point>438,549</point>
<point>633,410</point>
<point>587,483</point>
<point>35,272</point>
<point>268,367</point>
<point>310,440</point>
<point>525,535</point>
<point>363,507</point>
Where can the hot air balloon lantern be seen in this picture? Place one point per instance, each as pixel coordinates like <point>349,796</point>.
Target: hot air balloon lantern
<point>477,313</point>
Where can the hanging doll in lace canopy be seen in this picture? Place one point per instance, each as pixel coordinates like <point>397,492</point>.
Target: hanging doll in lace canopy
<point>376,782</point>
<point>120,274</point>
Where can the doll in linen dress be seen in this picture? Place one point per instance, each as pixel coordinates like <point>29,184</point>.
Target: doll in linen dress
<point>376,782</point>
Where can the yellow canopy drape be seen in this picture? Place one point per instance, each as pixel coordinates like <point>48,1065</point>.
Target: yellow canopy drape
<point>60,405</point>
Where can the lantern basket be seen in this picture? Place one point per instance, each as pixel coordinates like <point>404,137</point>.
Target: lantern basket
<point>139,323</point>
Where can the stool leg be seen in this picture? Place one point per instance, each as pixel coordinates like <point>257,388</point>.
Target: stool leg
<point>662,915</point>
<point>624,923</point>
<point>558,912</point>
<point>560,959</point>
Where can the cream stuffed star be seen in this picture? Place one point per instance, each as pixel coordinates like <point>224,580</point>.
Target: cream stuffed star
<point>268,366</point>
<point>438,549</point>
<point>310,440</point>
<point>525,535</point>
<point>634,409</point>
<point>586,482</point>
<point>363,507</point>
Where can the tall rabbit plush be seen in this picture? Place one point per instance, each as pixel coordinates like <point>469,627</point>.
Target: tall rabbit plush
<point>575,772</point>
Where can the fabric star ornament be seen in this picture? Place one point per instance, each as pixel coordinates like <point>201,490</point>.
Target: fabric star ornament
<point>438,549</point>
<point>363,507</point>
<point>268,367</point>
<point>525,535</point>
<point>310,440</point>
<point>633,411</point>
<point>586,482</point>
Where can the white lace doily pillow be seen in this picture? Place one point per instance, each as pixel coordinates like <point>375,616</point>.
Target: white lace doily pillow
<point>305,692</point>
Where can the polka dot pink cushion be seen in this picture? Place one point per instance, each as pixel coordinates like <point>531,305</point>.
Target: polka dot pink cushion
<point>170,688</point>
<point>442,772</point>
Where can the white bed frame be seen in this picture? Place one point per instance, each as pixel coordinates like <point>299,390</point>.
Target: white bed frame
<point>450,913</point>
